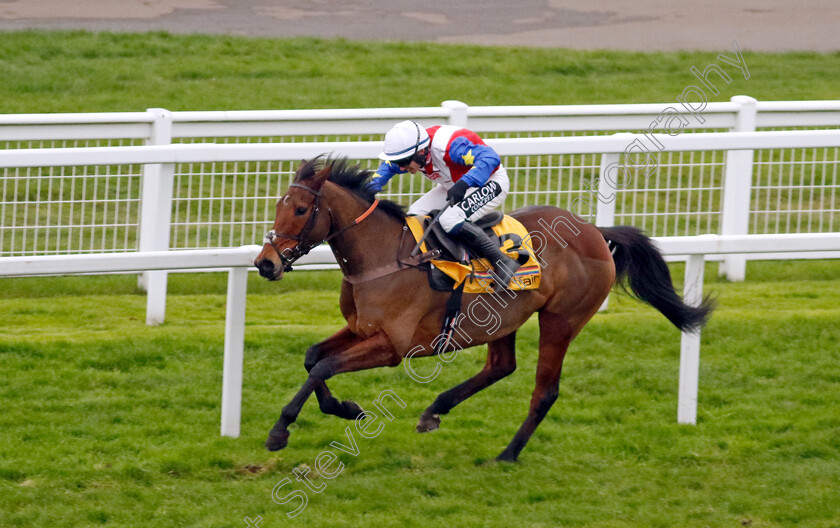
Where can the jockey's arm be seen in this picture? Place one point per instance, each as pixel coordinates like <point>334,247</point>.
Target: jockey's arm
<point>482,159</point>
<point>383,174</point>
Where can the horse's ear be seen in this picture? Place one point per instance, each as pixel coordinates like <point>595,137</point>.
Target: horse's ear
<point>322,175</point>
<point>299,168</point>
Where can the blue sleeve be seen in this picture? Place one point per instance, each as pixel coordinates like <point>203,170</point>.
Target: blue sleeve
<point>481,158</point>
<point>385,172</point>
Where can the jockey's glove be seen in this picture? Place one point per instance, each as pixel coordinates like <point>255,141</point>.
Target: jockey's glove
<point>456,192</point>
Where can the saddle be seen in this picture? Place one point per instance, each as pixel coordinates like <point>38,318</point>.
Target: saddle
<point>450,249</point>
<point>453,265</point>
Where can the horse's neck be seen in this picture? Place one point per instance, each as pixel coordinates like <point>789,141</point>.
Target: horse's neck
<point>371,243</point>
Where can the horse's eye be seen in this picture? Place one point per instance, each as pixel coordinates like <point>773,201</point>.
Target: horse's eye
<point>299,211</point>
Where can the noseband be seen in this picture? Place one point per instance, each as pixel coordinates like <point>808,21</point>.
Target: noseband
<point>289,256</point>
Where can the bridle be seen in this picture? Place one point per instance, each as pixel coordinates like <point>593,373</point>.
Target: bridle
<point>289,256</point>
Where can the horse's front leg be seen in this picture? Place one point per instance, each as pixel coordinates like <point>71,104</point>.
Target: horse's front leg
<point>278,437</point>
<point>341,340</point>
<point>375,351</point>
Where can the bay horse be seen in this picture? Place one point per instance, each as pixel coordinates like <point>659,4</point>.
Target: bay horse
<point>391,310</point>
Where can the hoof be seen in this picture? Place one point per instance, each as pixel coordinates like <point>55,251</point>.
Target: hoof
<point>428,422</point>
<point>277,440</point>
<point>350,410</point>
<point>506,457</point>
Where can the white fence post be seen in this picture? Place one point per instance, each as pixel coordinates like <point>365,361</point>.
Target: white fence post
<point>605,199</point>
<point>737,187</point>
<point>458,117</point>
<point>234,347</point>
<point>690,344</point>
<point>156,215</point>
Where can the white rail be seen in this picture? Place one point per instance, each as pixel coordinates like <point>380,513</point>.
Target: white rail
<point>128,262</point>
<point>160,160</point>
<point>698,247</point>
<point>23,127</point>
<point>212,152</point>
<point>238,260</point>
<point>103,201</point>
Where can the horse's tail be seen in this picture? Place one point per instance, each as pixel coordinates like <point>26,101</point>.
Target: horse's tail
<point>639,264</point>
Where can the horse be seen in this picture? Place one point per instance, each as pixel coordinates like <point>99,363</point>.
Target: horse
<point>328,201</point>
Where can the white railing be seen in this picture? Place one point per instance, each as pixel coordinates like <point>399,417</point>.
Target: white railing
<point>335,122</point>
<point>698,248</point>
<point>156,213</point>
<point>238,260</point>
<point>228,203</point>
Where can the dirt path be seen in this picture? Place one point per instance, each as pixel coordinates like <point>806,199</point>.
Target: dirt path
<point>646,25</point>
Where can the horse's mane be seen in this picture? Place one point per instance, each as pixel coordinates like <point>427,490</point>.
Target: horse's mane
<point>352,177</point>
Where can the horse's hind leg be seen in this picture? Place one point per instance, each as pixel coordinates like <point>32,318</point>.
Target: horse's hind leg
<point>501,361</point>
<point>555,336</point>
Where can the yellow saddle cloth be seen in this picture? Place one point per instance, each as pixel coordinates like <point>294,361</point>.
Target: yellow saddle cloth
<point>517,244</point>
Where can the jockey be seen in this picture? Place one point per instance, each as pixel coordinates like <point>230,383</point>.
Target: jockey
<point>469,176</point>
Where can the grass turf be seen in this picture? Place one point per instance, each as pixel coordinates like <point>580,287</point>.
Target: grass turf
<point>107,421</point>
<point>86,72</point>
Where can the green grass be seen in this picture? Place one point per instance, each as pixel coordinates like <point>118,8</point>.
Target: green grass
<point>86,72</point>
<point>106,421</point>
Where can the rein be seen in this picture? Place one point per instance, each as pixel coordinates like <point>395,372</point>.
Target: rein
<point>290,255</point>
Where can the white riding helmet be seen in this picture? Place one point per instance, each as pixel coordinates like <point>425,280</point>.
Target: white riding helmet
<point>404,140</point>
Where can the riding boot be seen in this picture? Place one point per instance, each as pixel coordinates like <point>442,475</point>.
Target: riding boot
<point>480,244</point>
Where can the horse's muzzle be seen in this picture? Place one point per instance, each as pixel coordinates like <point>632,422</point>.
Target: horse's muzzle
<point>268,269</point>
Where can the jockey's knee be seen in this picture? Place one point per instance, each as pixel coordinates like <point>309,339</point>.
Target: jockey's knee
<point>452,219</point>
<point>413,210</point>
